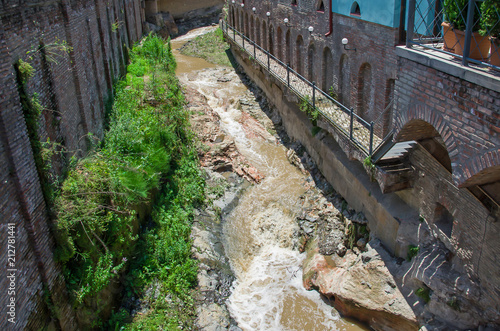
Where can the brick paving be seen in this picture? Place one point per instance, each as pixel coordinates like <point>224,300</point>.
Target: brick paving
<point>329,109</point>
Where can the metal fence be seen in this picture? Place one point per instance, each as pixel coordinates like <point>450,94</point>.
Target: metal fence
<point>358,130</point>
<point>468,30</point>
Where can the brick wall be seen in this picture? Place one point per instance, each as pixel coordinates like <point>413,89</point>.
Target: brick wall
<point>73,88</point>
<point>464,114</point>
<point>374,45</point>
<point>473,240</point>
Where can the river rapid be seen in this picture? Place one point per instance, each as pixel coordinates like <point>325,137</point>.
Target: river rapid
<point>260,234</point>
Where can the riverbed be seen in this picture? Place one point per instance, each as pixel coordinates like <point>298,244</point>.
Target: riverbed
<point>260,234</point>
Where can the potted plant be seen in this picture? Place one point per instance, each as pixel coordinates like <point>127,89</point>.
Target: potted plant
<point>490,25</point>
<point>455,20</point>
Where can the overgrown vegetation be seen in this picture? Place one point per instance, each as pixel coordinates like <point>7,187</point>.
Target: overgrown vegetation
<point>412,252</point>
<point>147,155</point>
<point>210,46</point>
<point>306,107</point>
<point>424,293</point>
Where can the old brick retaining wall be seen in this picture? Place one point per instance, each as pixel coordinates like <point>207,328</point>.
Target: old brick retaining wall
<point>73,88</point>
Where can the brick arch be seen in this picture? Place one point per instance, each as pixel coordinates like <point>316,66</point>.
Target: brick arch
<point>288,47</point>
<point>299,45</point>
<point>272,45</point>
<point>264,36</point>
<point>482,169</point>
<point>279,44</point>
<point>420,122</point>
<point>251,33</point>
<point>327,69</point>
<point>365,91</point>
<point>247,30</point>
<point>344,81</point>
<point>310,61</point>
<point>257,31</point>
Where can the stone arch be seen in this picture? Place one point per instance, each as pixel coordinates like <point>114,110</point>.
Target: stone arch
<point>299,44</point>
<point>344,81</point>
<point>279,44</point>
<point>365,98</point>
<point>264,35</point>
<point>327,69</point>
<point>288,47</point>
<point>310,62</point>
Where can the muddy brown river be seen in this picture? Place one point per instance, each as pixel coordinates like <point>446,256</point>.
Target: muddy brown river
<point>260,233</point>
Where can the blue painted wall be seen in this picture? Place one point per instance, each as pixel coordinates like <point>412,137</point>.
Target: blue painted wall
<point>385,12</point>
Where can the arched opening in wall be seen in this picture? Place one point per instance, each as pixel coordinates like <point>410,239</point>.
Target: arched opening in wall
<point>279,44</point>
<point>257,32</point>
<point>321,6</point>
<point>355,9</point>
<point>264,36</point>
<point>429,138</point>
<point>271,40</point>
<point>247,30</point>
<point>288,47</point>
<point>365,91</point>
<point>443,219</point>
<point>242,22</point>
<point>299,45</point>
<point>485,186</point>
<point>327,70</point>
<point>386,116</point>
<point>344,81</point>
<point>252,28</point>
<point>310,62</point>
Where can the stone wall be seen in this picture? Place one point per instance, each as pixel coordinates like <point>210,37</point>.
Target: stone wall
<point>73,87</point>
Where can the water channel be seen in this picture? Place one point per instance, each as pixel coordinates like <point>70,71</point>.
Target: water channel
<point>260,232</point>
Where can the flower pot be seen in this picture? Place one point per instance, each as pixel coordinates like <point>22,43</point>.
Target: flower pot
<point>454,41</point>
<point>495,51</point>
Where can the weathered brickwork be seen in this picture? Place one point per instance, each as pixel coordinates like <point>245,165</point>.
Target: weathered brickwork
<point>417,97</point>
<point>473,239</point>
<point>465,115</point>
<point>320,56</point>
<point>73,88</point>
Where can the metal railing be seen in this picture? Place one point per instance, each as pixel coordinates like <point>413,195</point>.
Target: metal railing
<point>464,29</point>
<point>352,126</point>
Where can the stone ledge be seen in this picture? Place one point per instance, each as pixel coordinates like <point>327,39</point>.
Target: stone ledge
<point>474,76</point>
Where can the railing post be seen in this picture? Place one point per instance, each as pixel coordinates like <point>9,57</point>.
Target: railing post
<point>468,31</point>
<point>243,38</point>
<point>411,23</point>
<point>351,124</point>
<point>234,33</point>
<point>268,61</point>
<point>371,139</point>
<point>288,74</point>
<point>314,94</point>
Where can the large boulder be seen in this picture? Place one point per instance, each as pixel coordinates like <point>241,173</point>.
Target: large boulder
<point>360,286</point>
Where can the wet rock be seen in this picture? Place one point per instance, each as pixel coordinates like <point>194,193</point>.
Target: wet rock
<point>361,290</point>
